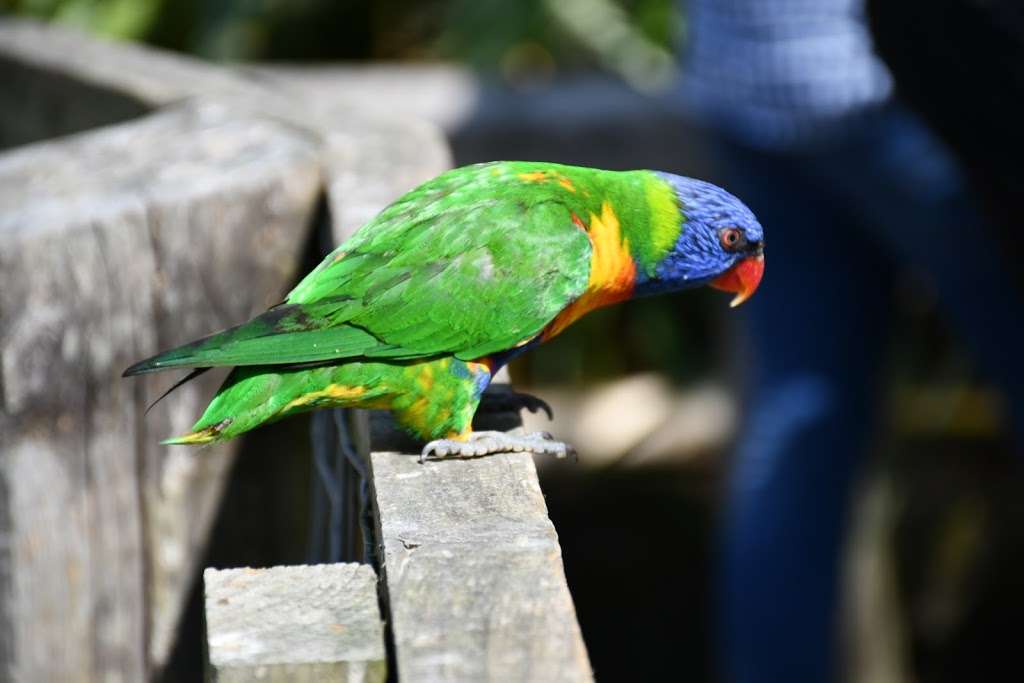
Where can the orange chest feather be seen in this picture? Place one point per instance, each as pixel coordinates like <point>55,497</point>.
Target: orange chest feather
<point>612,270</point>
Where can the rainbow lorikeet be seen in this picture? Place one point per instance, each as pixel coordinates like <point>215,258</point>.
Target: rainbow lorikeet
<point>420,307</point>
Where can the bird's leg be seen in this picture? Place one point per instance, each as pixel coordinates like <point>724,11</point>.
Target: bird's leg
<point>476,444</point>
<point>502,398</point>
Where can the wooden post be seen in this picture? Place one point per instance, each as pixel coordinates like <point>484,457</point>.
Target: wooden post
<point>120,242</point>
<point>308,623</point>
<point>472,571</point>
<point>115,244</point>
<point>92,230</point>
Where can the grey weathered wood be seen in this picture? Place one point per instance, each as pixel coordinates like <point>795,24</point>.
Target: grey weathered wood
<point>473,571</point>
<point>170,207</point>
<point>151,77</point>
<point>308,623</point>
<point>370,156</point>
<point>93,231</point>
<point>584,119</point>
<point>475,581</point>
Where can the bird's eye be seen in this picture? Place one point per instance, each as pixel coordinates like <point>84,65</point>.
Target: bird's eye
<point>731,239</point>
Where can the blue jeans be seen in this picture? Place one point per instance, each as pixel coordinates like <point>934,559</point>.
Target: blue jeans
<point>839,220</point>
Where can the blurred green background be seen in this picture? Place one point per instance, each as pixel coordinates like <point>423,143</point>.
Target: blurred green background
<point>634,38</point>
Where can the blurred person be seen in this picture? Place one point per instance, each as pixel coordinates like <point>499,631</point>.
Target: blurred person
<point>984,67</point>
<point>851,188</point>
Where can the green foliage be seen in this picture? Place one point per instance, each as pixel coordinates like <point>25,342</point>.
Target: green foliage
<point>125,19</point>
<point>492,35</point>
<point>532,39</point>
<point>517,40</point>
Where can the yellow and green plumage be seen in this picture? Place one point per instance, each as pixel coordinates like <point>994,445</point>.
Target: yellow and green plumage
<point>417,309</point>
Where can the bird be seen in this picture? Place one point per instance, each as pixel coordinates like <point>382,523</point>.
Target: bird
<point>419,308</point>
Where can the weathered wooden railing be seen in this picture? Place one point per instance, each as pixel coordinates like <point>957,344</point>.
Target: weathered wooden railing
<point>186,210</point>
<point>471,587</point>
<point>472,571</point>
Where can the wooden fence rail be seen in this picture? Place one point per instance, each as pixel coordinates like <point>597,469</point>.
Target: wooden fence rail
<point>179,204</point>
<point>473,573</point>
<point>308,623</point>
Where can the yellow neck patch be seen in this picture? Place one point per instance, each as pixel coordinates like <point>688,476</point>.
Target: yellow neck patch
<point>612,271</point>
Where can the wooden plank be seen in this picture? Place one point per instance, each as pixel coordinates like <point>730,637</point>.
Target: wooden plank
<point>473,572</point>
<point>370,157</point>
<point>306,623</point>
<point>93,229</point>
<point>370,166</point>
<point>586,119</point>
<point>152,77</point>
<point>144,185</point>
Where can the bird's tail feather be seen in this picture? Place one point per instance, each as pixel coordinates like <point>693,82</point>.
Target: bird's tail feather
<point>197,437</point>
<point>254,396</point>
<point>286,334</point>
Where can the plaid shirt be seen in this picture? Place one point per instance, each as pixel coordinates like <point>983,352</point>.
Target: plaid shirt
<point>780,73</point>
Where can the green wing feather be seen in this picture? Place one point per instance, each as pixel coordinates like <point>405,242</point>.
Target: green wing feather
<point>473,262</point>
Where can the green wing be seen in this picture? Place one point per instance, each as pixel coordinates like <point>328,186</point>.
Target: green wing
<point>473,262</point>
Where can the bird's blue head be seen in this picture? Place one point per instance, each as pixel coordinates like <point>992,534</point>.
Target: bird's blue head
<point>721,243</point>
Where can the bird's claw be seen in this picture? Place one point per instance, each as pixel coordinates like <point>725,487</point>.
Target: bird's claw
<point>487,442</point>
<point>502,398</point>
<point>534,404</point>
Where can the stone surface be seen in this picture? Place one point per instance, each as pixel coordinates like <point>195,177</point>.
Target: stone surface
<point>473,572</point>
<point>294,623</point>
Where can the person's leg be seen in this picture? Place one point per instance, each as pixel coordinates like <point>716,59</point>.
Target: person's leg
<point>911,195</point>
<point>817,327</point>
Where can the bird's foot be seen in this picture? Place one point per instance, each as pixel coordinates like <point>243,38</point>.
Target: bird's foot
<point>486,443</point>
<point>502,398</point>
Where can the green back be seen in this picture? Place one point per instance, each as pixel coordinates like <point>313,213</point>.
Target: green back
<point>473,262</point>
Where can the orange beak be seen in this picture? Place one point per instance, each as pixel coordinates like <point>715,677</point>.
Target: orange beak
<point>743,279</point>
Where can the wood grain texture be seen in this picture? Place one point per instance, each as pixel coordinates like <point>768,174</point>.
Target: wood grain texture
<point>93,231</point>
<point>146,75</point>
<point>294,624</point>
<point>118,243</point>
<point>475,586</point>
<point>370,157</point>
<point>115,245</point>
